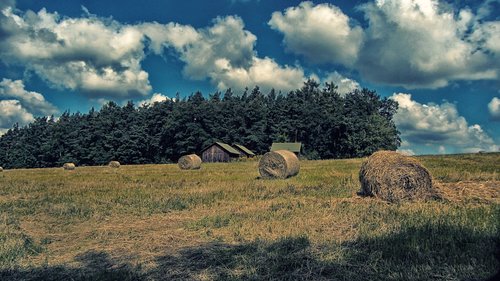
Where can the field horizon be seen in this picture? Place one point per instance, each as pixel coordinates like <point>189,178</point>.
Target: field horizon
<point>222,222</point>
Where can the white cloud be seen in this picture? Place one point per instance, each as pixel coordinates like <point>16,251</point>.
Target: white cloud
<point>345,85</point>
<point>407,152</point>
<point>102,57</point>
<point>322,33</point>
<point>487,36</point>
<point>438,125</point>
<point>226,40</point>
<point>494,108</point>
<point>13,112</point>
<point>165,35</point>
<point>442,149</point>
<point>424,44</point>
<point>265,73</point>
<point>410,43</point>
<point>95,56</point>
<point>486,8</point>
<point>156,97</point>
<point>18,105</point>
<point>34,102</point>
<point>224,53</point>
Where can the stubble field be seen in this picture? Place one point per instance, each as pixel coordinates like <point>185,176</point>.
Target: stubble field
<point>156,222</point>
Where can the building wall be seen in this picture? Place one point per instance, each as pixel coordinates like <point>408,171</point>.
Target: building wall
<point>215,154</point>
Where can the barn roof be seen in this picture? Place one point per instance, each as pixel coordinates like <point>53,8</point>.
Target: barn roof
<point>244,149</point>
<point>290,146</point>
<point>229,149</point>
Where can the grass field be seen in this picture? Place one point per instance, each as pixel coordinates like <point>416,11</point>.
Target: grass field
<point>156,222</point>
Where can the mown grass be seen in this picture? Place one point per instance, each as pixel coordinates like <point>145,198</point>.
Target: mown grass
<point>156,222</point>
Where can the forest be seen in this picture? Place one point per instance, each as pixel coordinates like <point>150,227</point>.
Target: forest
<point>328,124</point>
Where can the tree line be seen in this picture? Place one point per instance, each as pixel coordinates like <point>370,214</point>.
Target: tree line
<point>328,124</point>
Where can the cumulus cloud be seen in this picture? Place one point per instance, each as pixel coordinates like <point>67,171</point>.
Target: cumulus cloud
<point>95,56</point>
<point>486,36</point>
<point>322,33</point>
<point>12,112</point>
<point>18,105</point>
<point>224,42</point>
<point>7,3</point>
<point>156,97</point>
<point>265,73</point>
<point>494,108</point>
<point>407,152</point>
<point>409,43</point>
<point>345,85</point>
<point>224,53</point>
<point>34,102</point>
<point>436,125</point>
<point>487,8</point>
<point>424,44</point>
<point>102,57</point>
<point>163,36</point>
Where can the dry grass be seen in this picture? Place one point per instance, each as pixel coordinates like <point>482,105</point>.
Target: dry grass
<point>222,222</point>
<point>471,191</point>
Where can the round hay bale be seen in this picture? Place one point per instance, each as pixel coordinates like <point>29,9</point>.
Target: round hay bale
<point>394,177</point>
<point>1,169</point>
<point>114,164</point>
<point>69,166</point>
<point>279,164</point>
<point>189,162</point>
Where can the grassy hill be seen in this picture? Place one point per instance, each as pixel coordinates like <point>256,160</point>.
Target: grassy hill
<point>153,222</point>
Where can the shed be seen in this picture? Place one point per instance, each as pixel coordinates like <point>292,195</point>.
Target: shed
<point>245,152</point>
<point>295,147</point>
<point>219,152</point>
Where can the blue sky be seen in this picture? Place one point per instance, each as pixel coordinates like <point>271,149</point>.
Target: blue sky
<point>440,60</point>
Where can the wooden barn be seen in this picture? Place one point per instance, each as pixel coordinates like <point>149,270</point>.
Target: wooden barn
<point>244,152</point>
<point>219,152</point>
<point>295,147</point>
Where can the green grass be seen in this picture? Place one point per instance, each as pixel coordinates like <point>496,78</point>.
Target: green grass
<point>156,222</point>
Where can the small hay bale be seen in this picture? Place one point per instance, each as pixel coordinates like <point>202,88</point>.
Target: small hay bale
<point>1,169</point>
<point>394,177</point>
<point>114,164</point>
<point>69,166</point>
<point>279,164</point>
<point>189,162</point>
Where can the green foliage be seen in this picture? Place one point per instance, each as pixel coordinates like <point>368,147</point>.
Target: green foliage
<point>329,126</point>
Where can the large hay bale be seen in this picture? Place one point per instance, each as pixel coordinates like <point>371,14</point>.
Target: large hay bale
<point>69,166</point>
<point>114,164</point>
<point>279,164</point>
<point>394,177</point>
<point>189,162</point>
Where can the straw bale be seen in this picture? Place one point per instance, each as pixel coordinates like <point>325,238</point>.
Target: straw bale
<point>279,164</point>
<point>394,177</point>
<point>69,166</point>
<point>189,162</point>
